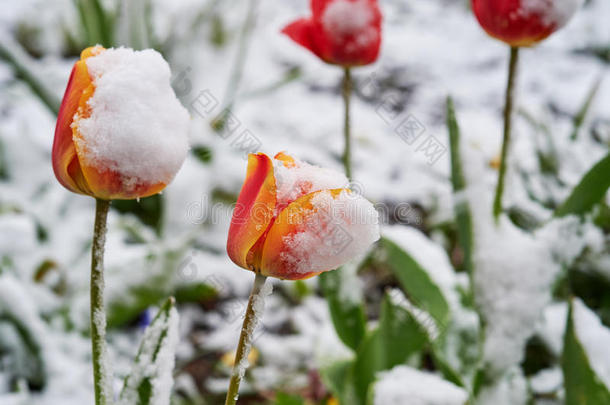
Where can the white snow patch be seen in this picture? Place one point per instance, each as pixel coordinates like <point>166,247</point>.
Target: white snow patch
<point>295,181</point>
<point>406,385</point>
<point>552,12</point>
<point>137,126</point>
<point>334,231</point>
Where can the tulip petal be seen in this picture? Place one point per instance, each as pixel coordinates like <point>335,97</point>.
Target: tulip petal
<point>301,31</point>
<point>66,165</point>
<point>318,232</point>
<point>65,162</point>
<point>253,212</point>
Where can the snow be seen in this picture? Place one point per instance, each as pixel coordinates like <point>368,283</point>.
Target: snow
<point>553,12</point>
<point>406,385</point>
<point>134,113</point>
<point>299,178</point>
<point>335,230</point>
<point>344,18</point>
<point>594,337</point>
<point>511,389</point>
<point>303,116</point>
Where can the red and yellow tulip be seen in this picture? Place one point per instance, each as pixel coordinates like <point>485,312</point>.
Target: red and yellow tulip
<point>73,167</point>
<point>291,239</point>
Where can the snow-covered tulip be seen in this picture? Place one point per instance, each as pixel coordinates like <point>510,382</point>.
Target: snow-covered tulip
<point>121,133</point>
<point>518,23</point>
<point>523,22</point>
<point>340,32</point>
<point>292,221</point>
<point>345,33</point>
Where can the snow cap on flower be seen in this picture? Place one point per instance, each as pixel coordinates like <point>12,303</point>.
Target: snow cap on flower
<point>340,32</point>
<point>121,132</point>
<point>294,220</point>
<point>523,22</point>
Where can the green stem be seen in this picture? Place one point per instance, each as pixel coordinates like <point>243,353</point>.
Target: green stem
<point>508,112</point>
<point>245,339</point>
<point>347,151</point>
<point>101,379</point>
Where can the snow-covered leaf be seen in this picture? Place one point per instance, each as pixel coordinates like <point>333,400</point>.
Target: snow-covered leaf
<point>583,382</point>
<point>346,311</point>
<point>416,282</point>
<point>150,381</point>
<point>461,209</point>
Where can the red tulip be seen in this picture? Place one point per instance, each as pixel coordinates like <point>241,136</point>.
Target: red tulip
<point>523,22</point>
<point>340,32</point>
<point>126,151</point>
<point>293,220</point>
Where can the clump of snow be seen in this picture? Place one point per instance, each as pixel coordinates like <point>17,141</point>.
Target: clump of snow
<point>406,385</point>
<point>552,12</point>
<point>135,126</point>
<point>512,277</point>
<point>334,231</point>
<point>511,389</point>
<point>295,180</point>
<point>594,337</point>
<point>345,18</point>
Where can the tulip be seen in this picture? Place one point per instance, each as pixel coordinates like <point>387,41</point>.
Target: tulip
<point>522,23</point>
<point>292,221</point>
<point>345,33</point>
<point>104,149</point>
<point>518,23</point>
<point>121,133</point>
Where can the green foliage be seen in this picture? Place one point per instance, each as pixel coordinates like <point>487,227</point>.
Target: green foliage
<point>579,118</point>
<point>589,191</point>
<point>462,212</point>
<point>202,153</point>
<point>416,282</point>
<point>148,210</point>
<point>286,399</point>
<point>582,385</point>
<point>147,367</point>
<point>23,66</point>
<point>97,24</point>
<point>348,317</point>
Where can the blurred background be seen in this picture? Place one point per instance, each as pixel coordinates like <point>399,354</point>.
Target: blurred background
<point>230,55</point>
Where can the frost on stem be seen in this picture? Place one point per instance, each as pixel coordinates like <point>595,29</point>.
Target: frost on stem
<point>258,307</point>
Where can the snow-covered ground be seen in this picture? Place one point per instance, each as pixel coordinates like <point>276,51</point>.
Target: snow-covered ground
<point>430,49</point>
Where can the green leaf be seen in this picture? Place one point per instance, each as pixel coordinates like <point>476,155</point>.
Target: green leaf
<point>416,282</point>
<point>579,118</point>
<point>590,191</point>
<point>154,362</point>
<point>462,211</point>
<point>335,377</point>
<point>348,316</point>
<point>286,399</point>
<point>22,64</point>
<point>96,23</point>
<point>202,153</point>
<point>397,338</point>
<point>582,385</point>
<point>148,210</point>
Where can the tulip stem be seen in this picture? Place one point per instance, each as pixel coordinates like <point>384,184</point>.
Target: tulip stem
<point>255,306</point>
<point>103,395</point>
<point>347,151</point>
<point>508,113</point>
